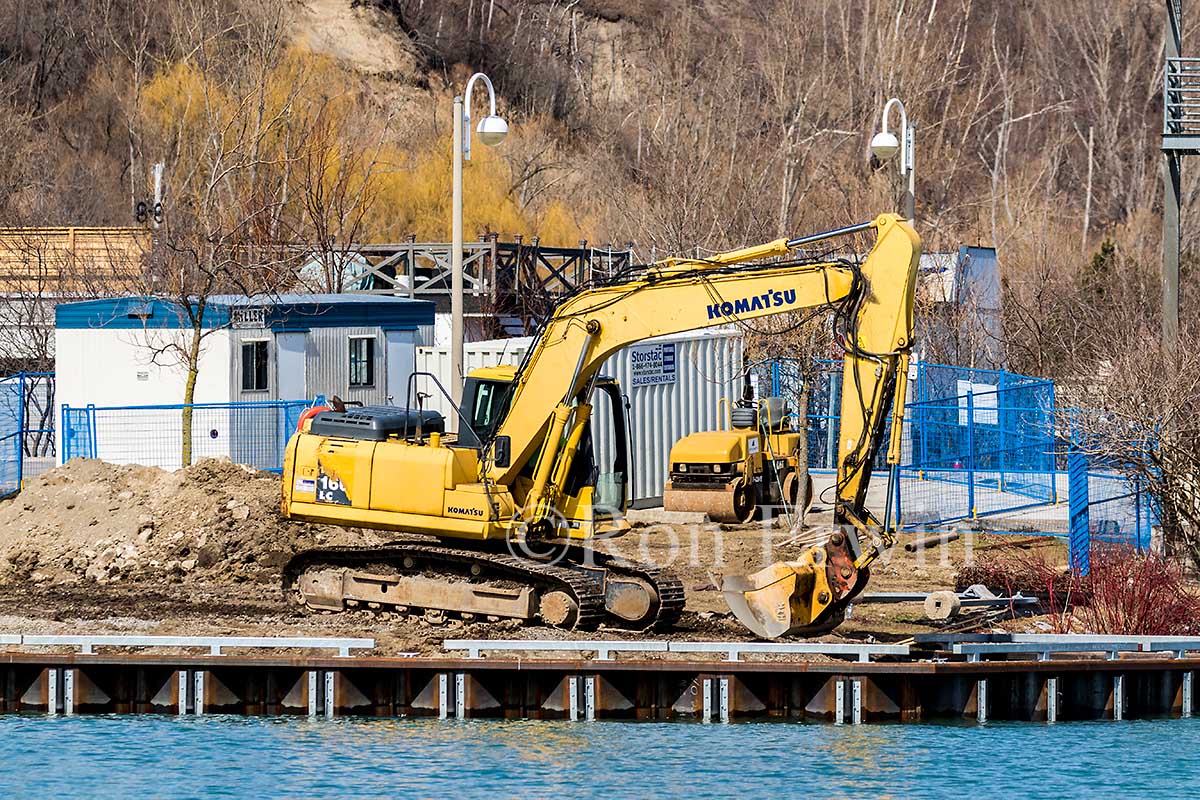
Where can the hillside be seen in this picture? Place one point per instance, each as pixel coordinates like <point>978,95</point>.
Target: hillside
<point>677,126</point>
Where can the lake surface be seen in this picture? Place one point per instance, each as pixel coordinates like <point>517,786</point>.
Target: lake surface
<point>215,756</point>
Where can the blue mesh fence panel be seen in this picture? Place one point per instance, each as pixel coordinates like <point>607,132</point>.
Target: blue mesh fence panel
<point>783,378</point>
<point>976,442</point>
<point>254,434</point>
<point>12,400</point>
<point>824,416</point>
<point>77,433</point>
<point>979,454</point>
<point>38,452</point>
<point>1010,406</point>
<point>1119,510</point>
<point>944,380</point>
<point>1113,508</point>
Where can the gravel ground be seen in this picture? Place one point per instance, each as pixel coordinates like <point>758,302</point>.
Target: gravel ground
<point>96,548</point>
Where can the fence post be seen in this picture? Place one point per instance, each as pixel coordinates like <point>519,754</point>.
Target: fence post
<point>899,511</point>
<point>1001,423</point>
<point>21,436</point>
<point>971,454</point>
<point>1051,443</point>
<point>921,398</point>
<point>64,432</point>
<point>1080,540</point>
<point>831,437</point>
<point>93,449</point>
<point>1137,517</point>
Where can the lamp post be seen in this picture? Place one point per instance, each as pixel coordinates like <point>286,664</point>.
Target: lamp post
<point>492,130</point>
<point>885,146</point>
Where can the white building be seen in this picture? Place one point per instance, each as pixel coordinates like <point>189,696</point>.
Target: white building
<point>120,352</point>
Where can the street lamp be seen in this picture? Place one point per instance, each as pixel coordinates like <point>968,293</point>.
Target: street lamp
<point>885,146</point>
<point>492,130</point>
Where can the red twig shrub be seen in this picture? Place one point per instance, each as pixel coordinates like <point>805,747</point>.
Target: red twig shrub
<point>1138,594</point>
<point>1123,593</point>
<point>1008,570</point>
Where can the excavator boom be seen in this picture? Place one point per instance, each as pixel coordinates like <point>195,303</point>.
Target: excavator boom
<point>873,305</point>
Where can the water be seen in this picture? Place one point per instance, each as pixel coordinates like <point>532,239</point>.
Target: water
<point>167,757</point>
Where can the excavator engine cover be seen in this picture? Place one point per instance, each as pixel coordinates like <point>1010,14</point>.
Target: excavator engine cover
<point>376,423</point>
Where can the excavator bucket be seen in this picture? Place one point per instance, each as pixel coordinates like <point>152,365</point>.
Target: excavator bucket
<point>788,597</point>
<point>763,601</point>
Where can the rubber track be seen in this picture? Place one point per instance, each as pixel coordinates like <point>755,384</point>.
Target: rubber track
<point>585,589</point>
<point>669,588</point>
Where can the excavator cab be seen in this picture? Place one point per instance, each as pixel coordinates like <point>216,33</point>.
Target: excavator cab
<point>598,478</point>
<point>485,398</point>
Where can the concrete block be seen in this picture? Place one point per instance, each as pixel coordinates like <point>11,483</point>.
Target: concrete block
<point>608,698</point>
<point>219,698</point>
<point>876,702</point>
<point>428,699</point>
<point>38,694</point>
<point>824,702</point>
<point>742,701</point>
<point>691,701</point>
<point>660,516</point>
<point>476,697</point>
<point>87,695</point>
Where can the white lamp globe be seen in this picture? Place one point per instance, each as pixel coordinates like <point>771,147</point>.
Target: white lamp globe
<point>492,130</point>
<point>884,145</point>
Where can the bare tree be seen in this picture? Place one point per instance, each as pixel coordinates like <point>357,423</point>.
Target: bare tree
<point>1143,420</point>
<point>223,121</point>
<point>336,183</point>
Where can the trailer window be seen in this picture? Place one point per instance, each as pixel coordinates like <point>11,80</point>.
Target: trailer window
<point>254,366</point>
<point>362,361</point>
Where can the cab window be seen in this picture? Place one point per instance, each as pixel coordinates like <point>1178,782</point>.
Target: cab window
<point>484,405</point>
<point>490,402</point>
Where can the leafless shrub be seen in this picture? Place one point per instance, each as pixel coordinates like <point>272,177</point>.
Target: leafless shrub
<point>1143,421</point>
<point>1124,592</point>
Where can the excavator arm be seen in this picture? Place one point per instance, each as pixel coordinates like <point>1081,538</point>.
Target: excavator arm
<point>873,321</point>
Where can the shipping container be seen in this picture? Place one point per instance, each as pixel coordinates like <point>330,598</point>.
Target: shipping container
<point>674,385</point>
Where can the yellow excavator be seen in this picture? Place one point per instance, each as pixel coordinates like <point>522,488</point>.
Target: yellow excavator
<point>512,499</point>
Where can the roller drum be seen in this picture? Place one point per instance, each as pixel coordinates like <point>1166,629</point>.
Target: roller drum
<point>735,504</point>
<point>791,492</point>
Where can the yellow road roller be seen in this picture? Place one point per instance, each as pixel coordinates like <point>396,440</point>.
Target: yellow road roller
<point>731,474</point>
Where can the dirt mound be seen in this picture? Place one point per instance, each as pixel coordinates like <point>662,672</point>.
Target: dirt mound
<point>215,521</point>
